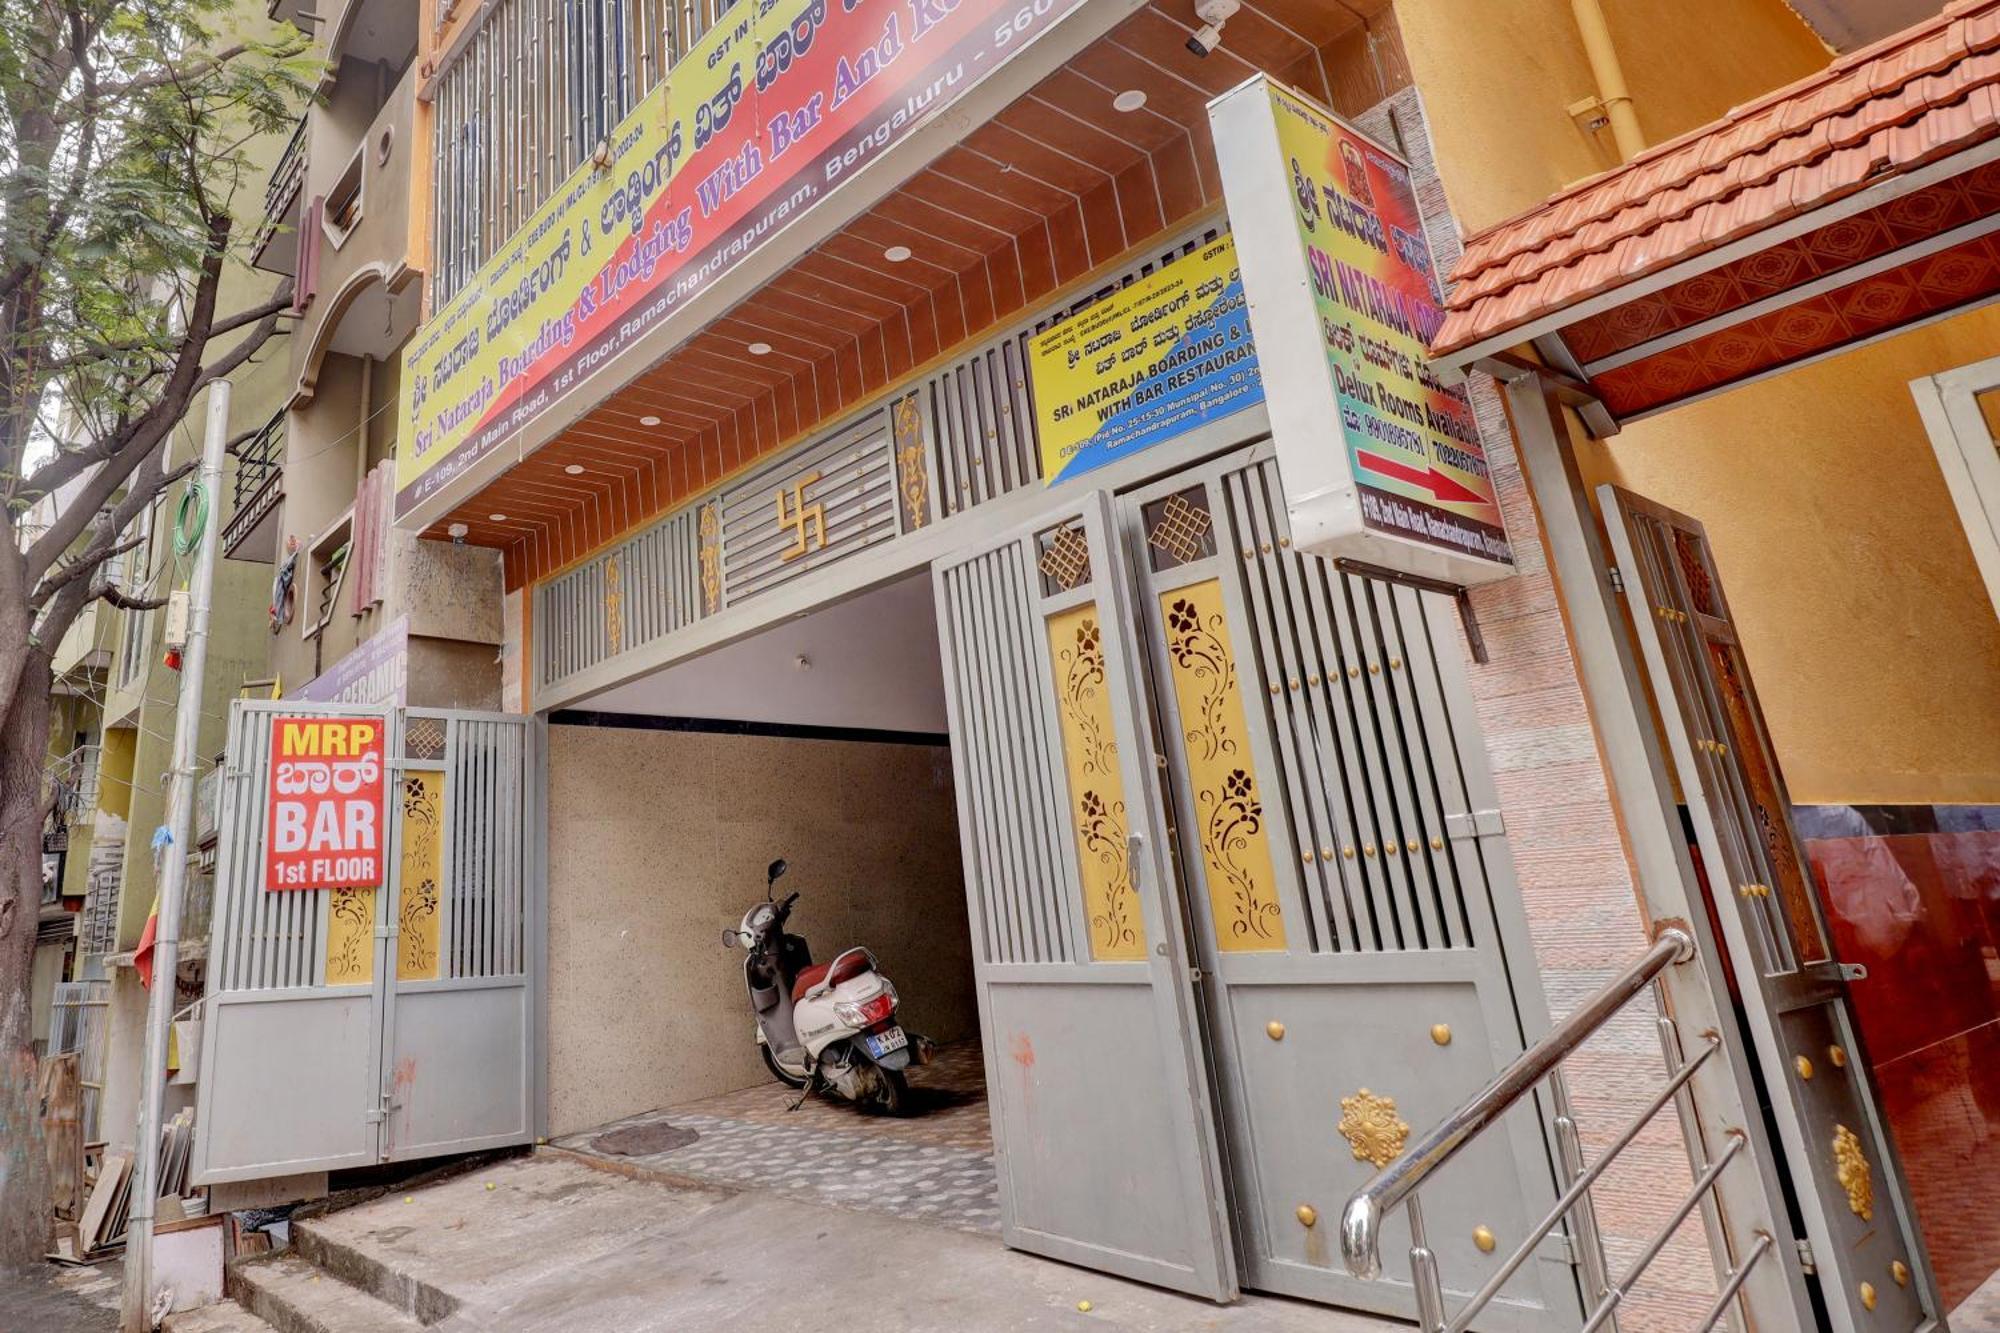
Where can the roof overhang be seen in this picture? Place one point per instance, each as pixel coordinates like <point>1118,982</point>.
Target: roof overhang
<point>1856,204</point>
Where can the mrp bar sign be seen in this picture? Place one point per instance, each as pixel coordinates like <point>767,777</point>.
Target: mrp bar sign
<point>325,799</point>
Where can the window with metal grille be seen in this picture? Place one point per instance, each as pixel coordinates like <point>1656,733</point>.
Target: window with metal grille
<point>526,97</point>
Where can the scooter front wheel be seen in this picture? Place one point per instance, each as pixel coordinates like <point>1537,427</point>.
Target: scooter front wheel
<point>778,1071</point>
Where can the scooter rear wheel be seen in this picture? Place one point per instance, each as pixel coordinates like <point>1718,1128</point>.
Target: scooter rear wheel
<point>892,1093</point>
<point>778,1071</point>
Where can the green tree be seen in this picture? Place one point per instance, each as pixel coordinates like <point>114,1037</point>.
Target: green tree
<point>124,129</point>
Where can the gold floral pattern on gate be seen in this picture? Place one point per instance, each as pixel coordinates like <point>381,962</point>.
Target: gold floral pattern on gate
<point>350,937</point>
<point>1850,1166</point>
<point>1372,1129</point>
<point>1096,787</point>
<point>709,548</point>
<point>907,429</point>
<point>1240,878</point>
<point>419,922</point>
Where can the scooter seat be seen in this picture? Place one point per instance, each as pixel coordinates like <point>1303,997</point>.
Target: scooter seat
<point>844,968</point>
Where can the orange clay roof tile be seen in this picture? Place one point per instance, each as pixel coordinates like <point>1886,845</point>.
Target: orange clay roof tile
<point>1921,94</point>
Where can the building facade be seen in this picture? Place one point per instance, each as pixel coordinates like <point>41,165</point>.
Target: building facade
<point>855,433</point>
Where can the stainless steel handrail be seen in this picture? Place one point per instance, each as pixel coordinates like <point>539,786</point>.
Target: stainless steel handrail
<point>1361,1220</point>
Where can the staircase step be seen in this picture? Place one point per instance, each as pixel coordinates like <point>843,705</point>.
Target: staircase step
<point>293,1296</point>
<point>369,1271</point>
<point>223,1317</point>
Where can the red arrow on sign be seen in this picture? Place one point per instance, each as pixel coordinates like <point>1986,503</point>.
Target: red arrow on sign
<point>1437,483</point>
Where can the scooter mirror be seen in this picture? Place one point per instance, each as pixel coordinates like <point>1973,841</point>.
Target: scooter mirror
<point>777,869</point>
<point>730,937</point>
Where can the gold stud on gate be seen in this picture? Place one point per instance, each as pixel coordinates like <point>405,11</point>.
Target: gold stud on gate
<point>1483,1238</point>
<point>1837,1056</point>
<point>1348,851</point>
<point>1901,1272</point>
<point>1326,853</point>
<point>1308,1215</point>
<point>1368,849</point>
<point>1868,1295</point>
<point>1437,843</point>
<point>1411,846</point>
<point>1354,673</point>
<point>1275,1030</point>
<point>1441,1033</point>
<point>1804,1066</point>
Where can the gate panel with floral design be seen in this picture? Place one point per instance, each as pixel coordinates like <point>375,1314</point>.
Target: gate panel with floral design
<point>345,1027</point>
<point>1349,892</point>
<point>1103,1130</point>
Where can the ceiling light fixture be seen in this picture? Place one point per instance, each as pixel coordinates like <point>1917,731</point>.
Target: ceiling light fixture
<point>496,518</point>
<point>574,469</point>
<point>649,421</point>
<point>896,254</point>
<point>1129,100</point>
<point>759,349</point>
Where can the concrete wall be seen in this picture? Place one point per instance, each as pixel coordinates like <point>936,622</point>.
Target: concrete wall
<point>1871,636</point>
<point>658,841</point>
<point>1497,79</point>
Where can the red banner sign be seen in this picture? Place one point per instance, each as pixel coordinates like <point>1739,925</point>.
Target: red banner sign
<point>326,800</point>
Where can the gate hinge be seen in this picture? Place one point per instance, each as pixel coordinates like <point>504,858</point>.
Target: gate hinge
<point>387,932</point>
<point>376,1116</point>
<point>1475,824</point>
<point>1806,1256</point>
<point>1617,579</point>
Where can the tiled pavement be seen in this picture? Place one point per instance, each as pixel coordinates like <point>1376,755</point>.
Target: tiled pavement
<point>934,1165</point>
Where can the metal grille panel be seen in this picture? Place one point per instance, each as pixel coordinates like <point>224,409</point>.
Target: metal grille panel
<point>1009,767</point>
<point>77,1022</point>
<point>259,940</point>
<point>839,494</point>
<point>642,589</point>
<point>1372,789</point>
<point>487,882</point>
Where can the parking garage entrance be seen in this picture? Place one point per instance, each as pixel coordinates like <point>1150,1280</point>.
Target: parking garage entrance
<point>1188,836</point>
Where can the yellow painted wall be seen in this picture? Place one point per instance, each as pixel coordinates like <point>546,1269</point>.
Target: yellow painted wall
<point>1869,633</point>
<point>1496,79</point>
<point>1874,647</point>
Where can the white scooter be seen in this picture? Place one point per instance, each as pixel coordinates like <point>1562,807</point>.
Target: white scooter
<point>830,1027</point>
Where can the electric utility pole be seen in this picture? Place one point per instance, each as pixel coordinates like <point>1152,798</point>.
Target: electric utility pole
<point>137,1314</point>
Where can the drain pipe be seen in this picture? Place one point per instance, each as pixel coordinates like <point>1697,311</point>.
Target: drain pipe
<point>1610,77</point>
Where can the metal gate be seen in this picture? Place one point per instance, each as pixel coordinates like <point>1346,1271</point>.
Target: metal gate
<point>1849,1183</point>
<point>1349,887</point>
<point>1104,1136</point>
<point>345,1027</point>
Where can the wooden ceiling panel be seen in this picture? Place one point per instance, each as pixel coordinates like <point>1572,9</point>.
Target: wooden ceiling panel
<point>1047,190</point>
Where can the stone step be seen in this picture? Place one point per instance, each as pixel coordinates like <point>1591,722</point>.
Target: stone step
<point>294,1296</point>
<point>371,1272</point>
<point>223,1317</point>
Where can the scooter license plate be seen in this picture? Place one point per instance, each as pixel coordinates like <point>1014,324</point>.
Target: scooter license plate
<point>881,1043</point>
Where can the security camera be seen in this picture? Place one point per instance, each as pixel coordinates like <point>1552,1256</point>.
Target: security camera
<point>1213,14</point>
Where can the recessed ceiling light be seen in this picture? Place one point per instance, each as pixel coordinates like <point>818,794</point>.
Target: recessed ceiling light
<point>574,469</point>
<point>496,518</point>
<point>759,349</point>
<point>1129,100</point>
<point>649,421</point>
<point>896,254</point>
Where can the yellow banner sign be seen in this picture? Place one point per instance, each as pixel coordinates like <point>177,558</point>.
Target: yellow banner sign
<point>766,115</point>
<point>1153,361</point>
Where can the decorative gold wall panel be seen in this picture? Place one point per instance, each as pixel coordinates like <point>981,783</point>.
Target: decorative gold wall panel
<point>422,869</point>
<point>1096,789</point>
<point>350,937</point>
<point>1229,813</point>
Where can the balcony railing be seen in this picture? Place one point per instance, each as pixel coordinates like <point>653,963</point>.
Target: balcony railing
<point>512,121</point>
<point>258,459</point>
<point>287,176</point>
<point>1397,1184</point>
<point>73,783</point>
